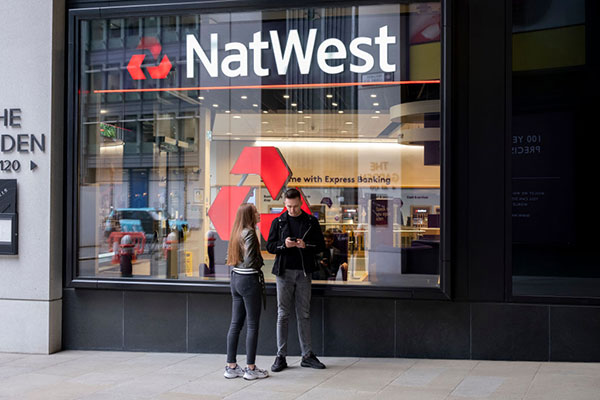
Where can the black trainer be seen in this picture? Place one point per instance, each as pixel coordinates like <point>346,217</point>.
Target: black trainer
<point>311,361</point>
<point>279,364</point>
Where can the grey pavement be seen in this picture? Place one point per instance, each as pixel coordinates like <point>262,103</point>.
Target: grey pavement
<point>96,375</point>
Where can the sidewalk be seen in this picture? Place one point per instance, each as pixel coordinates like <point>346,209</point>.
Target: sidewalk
<point>94,375</point>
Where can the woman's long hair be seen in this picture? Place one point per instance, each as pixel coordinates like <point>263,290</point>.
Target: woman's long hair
<point>244,218</point>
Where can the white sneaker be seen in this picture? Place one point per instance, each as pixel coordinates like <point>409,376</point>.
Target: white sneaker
<point>256,373</point>
<point>231,373</point>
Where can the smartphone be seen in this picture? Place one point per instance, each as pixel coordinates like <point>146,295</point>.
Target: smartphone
<point>293,239</point>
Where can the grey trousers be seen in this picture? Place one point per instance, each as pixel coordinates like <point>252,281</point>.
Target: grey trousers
<point>293,288</point>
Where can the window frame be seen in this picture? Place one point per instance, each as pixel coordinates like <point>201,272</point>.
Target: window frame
<point>74,19</point>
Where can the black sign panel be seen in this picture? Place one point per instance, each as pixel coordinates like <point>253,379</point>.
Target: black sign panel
<point>8,196</point>
<point>8,216</point>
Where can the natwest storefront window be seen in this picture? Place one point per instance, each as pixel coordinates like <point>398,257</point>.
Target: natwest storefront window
<point>182,118</point>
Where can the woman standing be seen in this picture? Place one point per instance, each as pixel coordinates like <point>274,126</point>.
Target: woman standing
<point>247,289</point>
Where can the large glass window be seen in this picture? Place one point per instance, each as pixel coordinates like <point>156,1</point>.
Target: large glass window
<point>554,149</point>
<point>183,118</point>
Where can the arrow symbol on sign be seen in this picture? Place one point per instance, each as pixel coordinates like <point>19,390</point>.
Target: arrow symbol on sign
<point>32,165</point>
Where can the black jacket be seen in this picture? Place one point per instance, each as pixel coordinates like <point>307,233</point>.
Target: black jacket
<point>252,257</point>
<point>310,232</point>
<point>329,264</point>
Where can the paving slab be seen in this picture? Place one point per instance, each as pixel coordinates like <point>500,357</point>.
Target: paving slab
<point>98,375</point>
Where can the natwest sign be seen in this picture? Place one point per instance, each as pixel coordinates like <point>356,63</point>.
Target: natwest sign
<point>331,54</point>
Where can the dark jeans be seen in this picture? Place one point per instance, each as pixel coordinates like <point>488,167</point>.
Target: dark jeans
<point>246,293</point>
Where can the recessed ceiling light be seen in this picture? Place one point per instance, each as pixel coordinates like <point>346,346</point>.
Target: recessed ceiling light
<point>103,111</point>
<point>254,105</point>
<point>301,131</point>
<point>265,112</point>
<point>375,104</point>
<point>307,117</point>
<point>265,122</point>
<point>228,133</point>
<point>301,122</point>
<point>373,95</point>
<point>293,104</point>
<point>377,112</point>
<point>200,97</point>
<point>243,97</point>
<point>300,111</point>
<point>286,96</point>
<point>329,96</point>
<point>375,116</point>
<point>237,116</point>
<point>334,104</point>
<point>215,105</point>
<point>227,111</point>
<point>348,122</point>
<point>295,134</point>
<point>340,112</point>
<point>237,138</point>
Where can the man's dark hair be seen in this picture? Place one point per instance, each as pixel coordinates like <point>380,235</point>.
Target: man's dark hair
<point>292,194</point>
<point>328,234</point>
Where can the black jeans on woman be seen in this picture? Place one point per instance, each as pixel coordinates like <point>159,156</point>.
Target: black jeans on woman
<point>246,293</point>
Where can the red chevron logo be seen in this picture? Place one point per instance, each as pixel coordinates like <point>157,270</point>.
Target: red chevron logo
<point>269,164</point>
<point>159,71</point>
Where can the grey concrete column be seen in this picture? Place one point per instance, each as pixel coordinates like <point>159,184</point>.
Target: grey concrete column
<point>32,38</point>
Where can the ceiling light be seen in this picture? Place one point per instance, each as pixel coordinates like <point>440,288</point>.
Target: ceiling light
<point>300,111</point>
<point>265,112</point>
<point>334,104</point>
<point>254,105</point>
<point>375,104</point>
<point>269,131</point>
<point>237,138</point>
<point>237,116</point>
<point>286,96</point>
<point>243,97</point>
<point>300,131</point>
<point>375,116</point>
<point>377,112</point>
<point>215,105</point>
<point>228,133</point>
<point>103,111</point>
<point>265,122</point>
<point>373,95</point>
<point>307,117</point>
<point>200,97</point>
<point>295,134</point>
<point>227,111</point>
<point>343,131</point>
<point>301,122</point>
<point>294,104</point>
<point>340,112</point>
<point>348,122</point>
<point>329,96</point>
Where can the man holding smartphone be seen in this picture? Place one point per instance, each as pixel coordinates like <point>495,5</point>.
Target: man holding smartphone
<point>295,238</point>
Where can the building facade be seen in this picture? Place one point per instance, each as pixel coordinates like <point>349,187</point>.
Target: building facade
<point>444,146</point>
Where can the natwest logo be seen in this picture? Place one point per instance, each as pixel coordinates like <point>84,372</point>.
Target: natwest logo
<point>362,54</point>
<point>266,162</point>
<point>159,71</point>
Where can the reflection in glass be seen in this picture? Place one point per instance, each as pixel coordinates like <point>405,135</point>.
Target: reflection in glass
<point>336,102</point>
<point>553,154</point>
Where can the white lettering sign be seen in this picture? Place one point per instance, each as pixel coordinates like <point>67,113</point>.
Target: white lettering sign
<point>235,62</point>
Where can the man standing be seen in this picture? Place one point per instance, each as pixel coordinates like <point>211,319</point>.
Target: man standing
<point>295,238</point>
